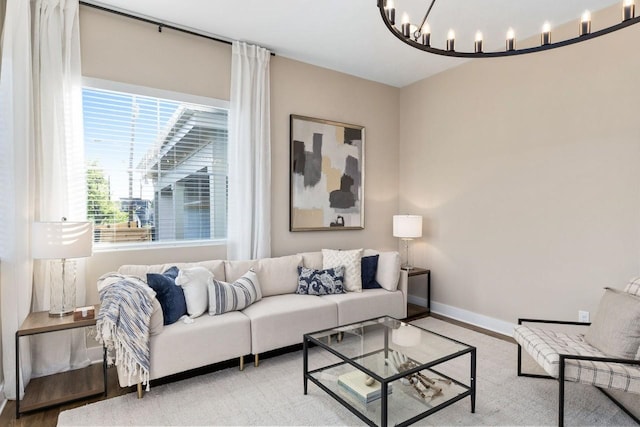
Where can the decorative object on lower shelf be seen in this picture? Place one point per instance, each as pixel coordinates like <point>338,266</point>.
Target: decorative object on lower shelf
<point>424,386</point>
<point>355,384</point>
<point>84,313</point>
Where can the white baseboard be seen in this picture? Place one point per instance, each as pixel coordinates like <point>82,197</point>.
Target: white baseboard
<point>466,316</point>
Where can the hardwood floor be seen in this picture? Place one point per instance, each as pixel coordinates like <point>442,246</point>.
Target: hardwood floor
<point>49,417</point>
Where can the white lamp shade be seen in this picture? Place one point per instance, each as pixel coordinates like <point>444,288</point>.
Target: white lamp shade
<point>62,239</point>
<point>407,226</point>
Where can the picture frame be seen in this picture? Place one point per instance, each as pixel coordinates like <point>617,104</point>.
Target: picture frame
<point>326,176</point>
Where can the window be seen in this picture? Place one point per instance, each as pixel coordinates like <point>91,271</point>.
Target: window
<point>156,166</point>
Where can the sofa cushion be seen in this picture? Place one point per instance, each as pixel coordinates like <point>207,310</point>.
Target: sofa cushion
<point>281,320</point>
<point>216,267</point>
<point>194,282</point>
<point>351,260</point>
<point>224,297</point>
<point>633,287</point>
<point>236,268</point>
<point>615,329</point>
<point>369,270</point>
<point>312,260</point>
<point>368,304</point>
<point>170,295</point>
<point>320,282</point>
<point>388,273</point>
<point>278,275</point>
<point>156,324</point>
<point>545,346</point>
<point>184,346</point>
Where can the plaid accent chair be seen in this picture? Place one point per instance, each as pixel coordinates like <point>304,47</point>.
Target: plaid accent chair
<point>607,356</point>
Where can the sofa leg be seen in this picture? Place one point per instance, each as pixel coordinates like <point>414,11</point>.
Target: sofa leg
<point>256,360</point>
<point>242,363</point>
<point>140,391</point>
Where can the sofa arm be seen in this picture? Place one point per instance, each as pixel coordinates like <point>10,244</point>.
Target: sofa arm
<point>403,286</point>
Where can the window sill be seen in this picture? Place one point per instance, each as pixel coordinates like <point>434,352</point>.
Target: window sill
<point>109,247</point>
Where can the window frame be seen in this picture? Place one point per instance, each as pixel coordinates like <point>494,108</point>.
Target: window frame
<point>95,83</point>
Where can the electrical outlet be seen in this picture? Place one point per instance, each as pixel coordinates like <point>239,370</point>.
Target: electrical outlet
<point>583,316</point>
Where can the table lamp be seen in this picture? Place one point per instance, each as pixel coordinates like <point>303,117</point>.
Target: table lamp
<point>407,227</point>
<point>60,241</point>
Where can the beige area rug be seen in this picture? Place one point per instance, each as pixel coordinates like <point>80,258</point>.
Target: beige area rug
<point>272,394</point>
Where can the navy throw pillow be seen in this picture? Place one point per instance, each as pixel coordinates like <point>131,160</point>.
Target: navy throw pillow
<point>369,268</point>
<point>320,282</point>
<point>169,295</point>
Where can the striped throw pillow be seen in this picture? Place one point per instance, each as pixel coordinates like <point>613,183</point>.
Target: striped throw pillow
<point>633,287</point>
<point>224,297</point>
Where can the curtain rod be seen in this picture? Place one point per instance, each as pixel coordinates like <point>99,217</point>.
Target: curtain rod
<point>159,24</point>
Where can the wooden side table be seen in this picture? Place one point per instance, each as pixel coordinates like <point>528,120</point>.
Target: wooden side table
<point>412,310</point>
<point>65,386</point>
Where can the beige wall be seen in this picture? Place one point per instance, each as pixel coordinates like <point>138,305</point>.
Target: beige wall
<point>124,50</point>
<point>526,170</point>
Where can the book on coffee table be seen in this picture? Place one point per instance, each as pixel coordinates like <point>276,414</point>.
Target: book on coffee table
<point>354,383</point>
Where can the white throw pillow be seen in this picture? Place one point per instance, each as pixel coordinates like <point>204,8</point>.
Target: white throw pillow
<point>224,297</point>
<point>194,282</point>
<point>352,262</point>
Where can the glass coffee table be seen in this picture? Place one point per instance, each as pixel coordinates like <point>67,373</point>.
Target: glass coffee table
<point>388,372</point>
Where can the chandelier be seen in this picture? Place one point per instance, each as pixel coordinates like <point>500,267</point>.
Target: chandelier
<point>419,36</point>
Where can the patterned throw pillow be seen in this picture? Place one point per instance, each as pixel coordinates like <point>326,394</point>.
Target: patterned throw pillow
<point>352,262</point>
<point>320,282</point>
<point>224,297</point>
<point>633,287</point>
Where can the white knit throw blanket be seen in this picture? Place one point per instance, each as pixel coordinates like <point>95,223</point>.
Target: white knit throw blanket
<point>123,323</point>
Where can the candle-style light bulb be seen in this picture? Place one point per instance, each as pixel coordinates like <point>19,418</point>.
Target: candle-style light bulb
<point>426,34</point>
<point>585,23</point>
<point>451,40</point>
<point>511,39</point>
<point>391,12</point>
<point>546,33</point>
<point>406,26</point>
<point>478,42</point>
<point>628,10</point>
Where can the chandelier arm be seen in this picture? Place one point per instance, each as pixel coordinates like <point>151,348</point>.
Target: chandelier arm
<point>540,48</point>
<point>426,15</point>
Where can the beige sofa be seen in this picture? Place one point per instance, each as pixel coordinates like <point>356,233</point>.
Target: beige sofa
<point>278,320</point>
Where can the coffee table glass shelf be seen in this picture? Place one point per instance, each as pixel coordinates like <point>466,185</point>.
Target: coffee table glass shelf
<point>388,372</point>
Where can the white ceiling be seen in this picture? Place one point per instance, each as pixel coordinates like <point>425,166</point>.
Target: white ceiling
<point>349,35</point>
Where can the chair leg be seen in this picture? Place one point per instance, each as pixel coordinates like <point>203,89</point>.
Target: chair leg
<point>242,363</point>
<point>561,393</point>
<point>256,360</point>
<point>140,391</point>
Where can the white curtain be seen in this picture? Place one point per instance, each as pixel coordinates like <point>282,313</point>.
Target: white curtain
<point>16,185</point>
<point>48,173</point>
<point>249,217</point>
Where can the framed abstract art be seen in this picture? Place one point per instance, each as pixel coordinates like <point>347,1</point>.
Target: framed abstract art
<point>326,176</point>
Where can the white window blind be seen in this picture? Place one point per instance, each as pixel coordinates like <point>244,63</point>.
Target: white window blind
<point>156,168</point>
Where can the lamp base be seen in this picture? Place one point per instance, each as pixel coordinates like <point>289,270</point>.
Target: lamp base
<point>63,288</point>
